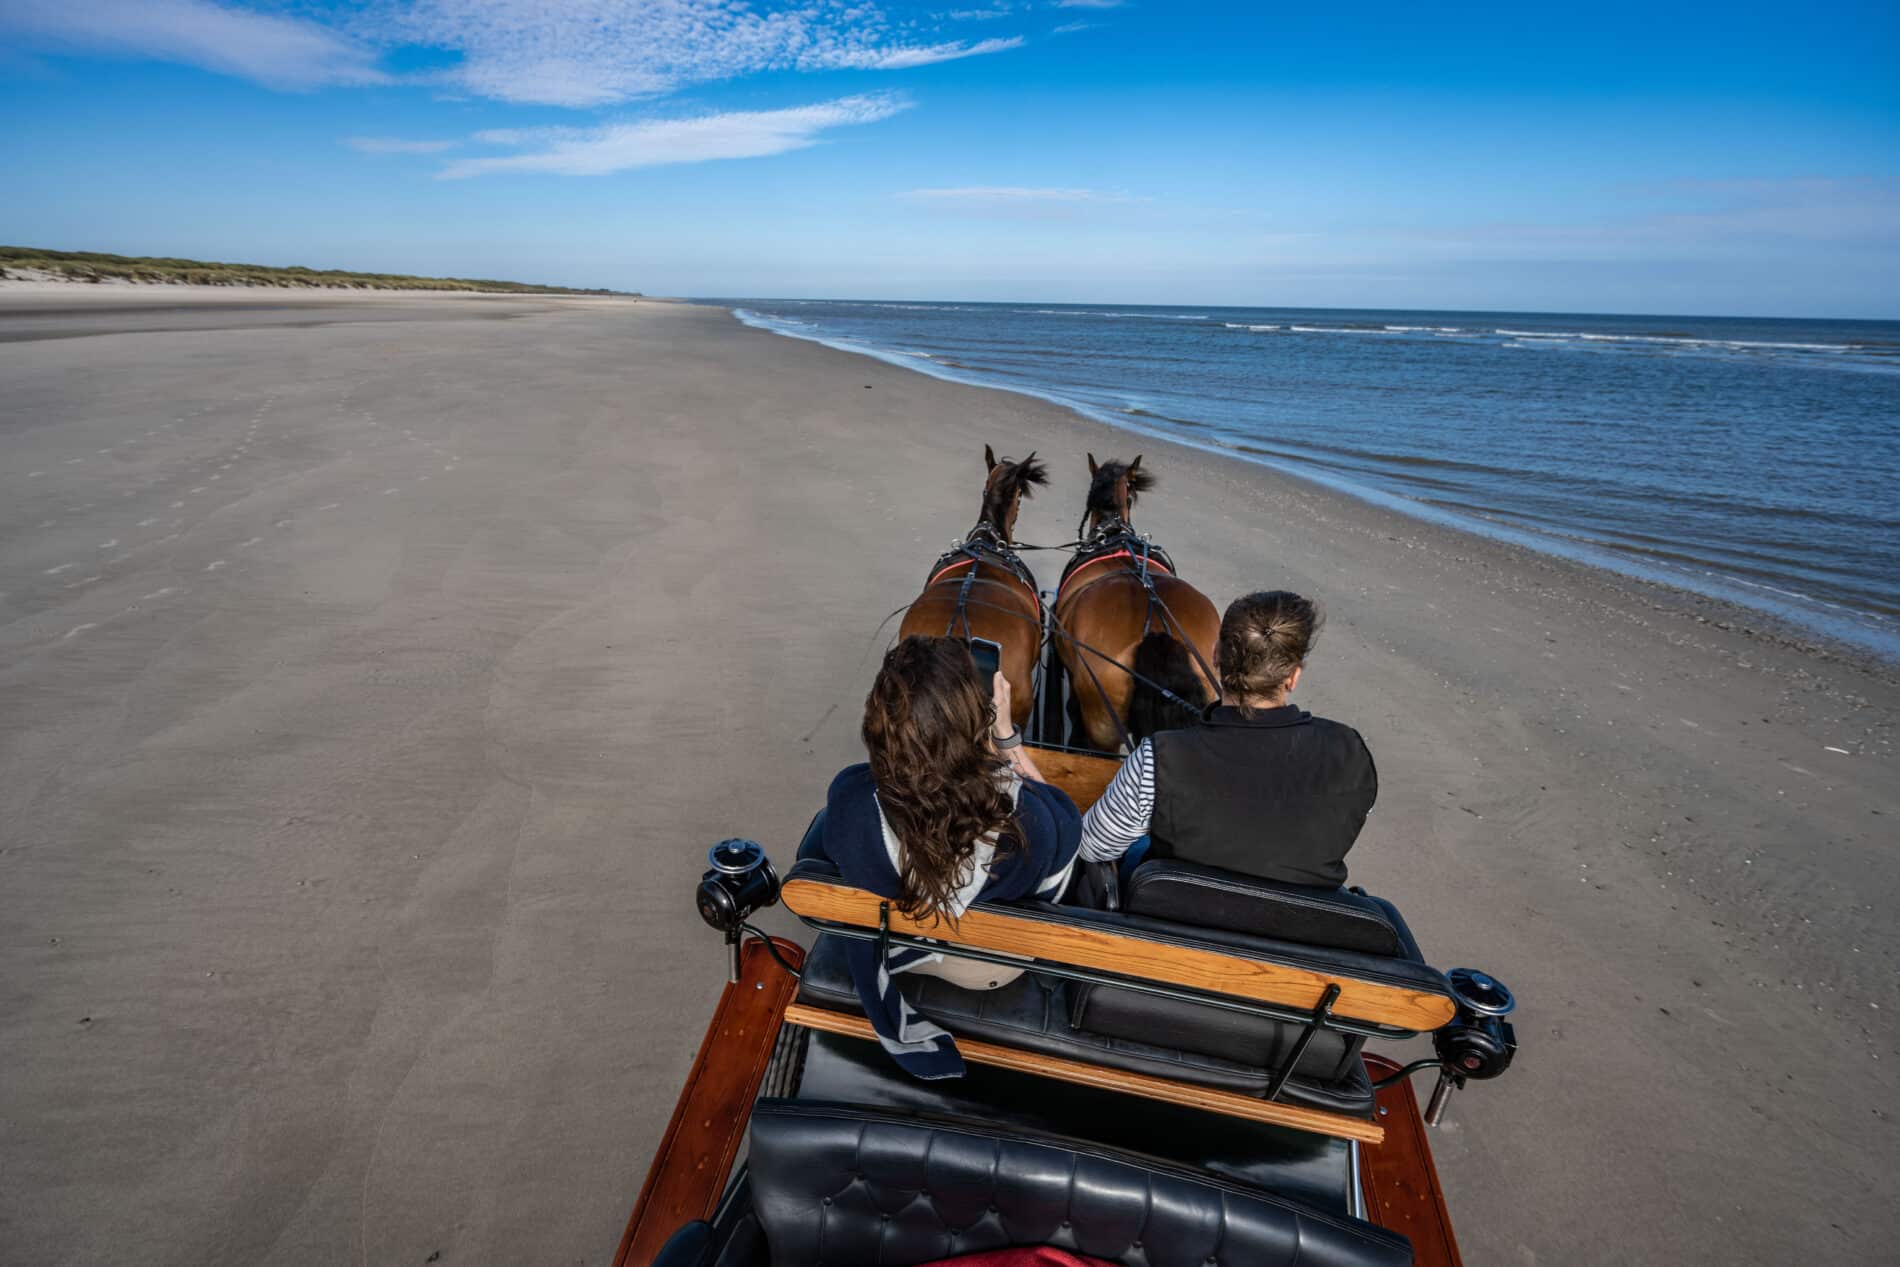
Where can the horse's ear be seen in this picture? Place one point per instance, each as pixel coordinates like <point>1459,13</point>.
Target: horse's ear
<point>1137,462</point>
<point>989,458</point>
<point>1092,467</point>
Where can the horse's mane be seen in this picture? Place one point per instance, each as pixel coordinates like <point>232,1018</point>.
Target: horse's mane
<point>1102,487</point>
<point>1017,477</point>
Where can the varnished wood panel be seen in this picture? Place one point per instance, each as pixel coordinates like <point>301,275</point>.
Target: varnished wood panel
<point>1230,1103</point>
<point>689,1171</point>
<point>1083,776</point>
<point>1401,1181</point>
<point>1133,956</point>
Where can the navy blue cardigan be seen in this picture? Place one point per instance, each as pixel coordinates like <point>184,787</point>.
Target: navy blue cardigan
<point>1050,828</point>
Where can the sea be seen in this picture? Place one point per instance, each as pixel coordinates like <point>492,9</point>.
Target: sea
<point>1753,460</point>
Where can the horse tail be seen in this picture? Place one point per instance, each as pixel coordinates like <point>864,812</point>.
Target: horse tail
<point>1161,660</point>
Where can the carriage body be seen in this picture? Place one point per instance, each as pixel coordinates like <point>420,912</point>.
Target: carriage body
<point>1150,1092</point>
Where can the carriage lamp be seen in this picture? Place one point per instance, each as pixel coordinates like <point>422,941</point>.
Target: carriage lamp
<point>739,881</point>
<point>1479,1042</point>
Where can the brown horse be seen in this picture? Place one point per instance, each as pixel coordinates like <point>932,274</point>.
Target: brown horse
<point>1120,598</point>
<point>982,589</point>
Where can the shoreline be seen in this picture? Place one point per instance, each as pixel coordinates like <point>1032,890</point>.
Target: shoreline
<point>1721,613</point>
<point>370,688</point>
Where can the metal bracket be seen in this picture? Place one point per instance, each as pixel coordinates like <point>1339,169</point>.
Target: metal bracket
<point>1322,1019</point>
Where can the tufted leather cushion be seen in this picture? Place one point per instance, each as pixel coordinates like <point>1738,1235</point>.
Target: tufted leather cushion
<point>1209,897</point>
<point>836,1186</point>
<point>1033,1013</point>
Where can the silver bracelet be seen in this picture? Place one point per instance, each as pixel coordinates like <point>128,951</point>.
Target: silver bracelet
<point>1004,745</point>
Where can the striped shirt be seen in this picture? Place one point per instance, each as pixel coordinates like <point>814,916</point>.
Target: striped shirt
<point>1121,817</point>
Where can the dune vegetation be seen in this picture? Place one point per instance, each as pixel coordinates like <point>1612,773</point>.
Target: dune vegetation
<point>26,262</point>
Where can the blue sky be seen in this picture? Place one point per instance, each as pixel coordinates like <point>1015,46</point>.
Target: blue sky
<point>1679,158</point>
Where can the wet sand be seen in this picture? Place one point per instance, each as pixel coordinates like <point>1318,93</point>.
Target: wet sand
<point>371,686</point>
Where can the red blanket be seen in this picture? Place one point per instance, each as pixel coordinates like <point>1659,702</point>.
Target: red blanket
<point>1022,1256</point>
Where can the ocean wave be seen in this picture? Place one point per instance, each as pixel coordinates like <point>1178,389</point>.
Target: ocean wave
<point>1130,316</point>
<point>1674,340</point>
<point>1241,325</point>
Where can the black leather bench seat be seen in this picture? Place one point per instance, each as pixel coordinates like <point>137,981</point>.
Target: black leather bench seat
<point>1033,1013</point>
<point>840,1186</point>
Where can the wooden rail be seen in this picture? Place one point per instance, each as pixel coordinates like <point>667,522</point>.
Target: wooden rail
<point>1231,1103</point>
<point>1131,955</point>
<point>688,1174</point>
<point>1401,1181</point>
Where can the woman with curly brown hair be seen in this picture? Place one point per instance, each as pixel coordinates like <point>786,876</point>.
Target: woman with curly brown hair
<point>950,809</point>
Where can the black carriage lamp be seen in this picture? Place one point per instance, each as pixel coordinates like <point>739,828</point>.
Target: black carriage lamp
<point>740,881</point>
<point>1479,1042</point>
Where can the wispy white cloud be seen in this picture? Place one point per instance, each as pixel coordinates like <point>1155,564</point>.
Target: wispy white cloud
<point>989,14</point>
<point>1070,28</point>
<point>659,142</point>
<point>266,48</point>
<point>900,56</point>
<point>576,53</point>
<point>1090,4</point>
<point>591,53</point>
<point>396,145</point>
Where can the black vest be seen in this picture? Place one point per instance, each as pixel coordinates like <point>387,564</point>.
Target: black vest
<point>1281,795</point>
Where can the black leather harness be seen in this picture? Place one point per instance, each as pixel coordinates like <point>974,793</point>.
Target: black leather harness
<point>982,544</point>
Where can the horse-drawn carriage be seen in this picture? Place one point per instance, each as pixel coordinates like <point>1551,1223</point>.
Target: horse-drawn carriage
<point>1180,1079</point>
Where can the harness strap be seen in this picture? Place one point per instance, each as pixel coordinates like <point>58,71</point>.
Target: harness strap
<point>1104,558</point>
<point>962,611</point>
<point>1114,715</point>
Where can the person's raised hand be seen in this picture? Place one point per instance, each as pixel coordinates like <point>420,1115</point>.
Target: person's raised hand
<point>1003,727</point>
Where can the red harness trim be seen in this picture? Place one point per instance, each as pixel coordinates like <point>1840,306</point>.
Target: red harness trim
<point>960,563</point>
<point>964,563</point>
<point>1154,565</point>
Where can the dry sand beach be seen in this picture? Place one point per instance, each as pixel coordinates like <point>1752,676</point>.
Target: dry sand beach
<point>374,672</point>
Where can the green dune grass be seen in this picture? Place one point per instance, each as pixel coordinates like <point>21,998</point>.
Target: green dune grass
<point>93,266</point>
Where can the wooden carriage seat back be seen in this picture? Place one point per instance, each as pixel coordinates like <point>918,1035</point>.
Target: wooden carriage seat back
<point>1182,961</point>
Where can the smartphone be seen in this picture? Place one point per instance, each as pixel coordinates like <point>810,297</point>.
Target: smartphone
<point>989,658</point>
